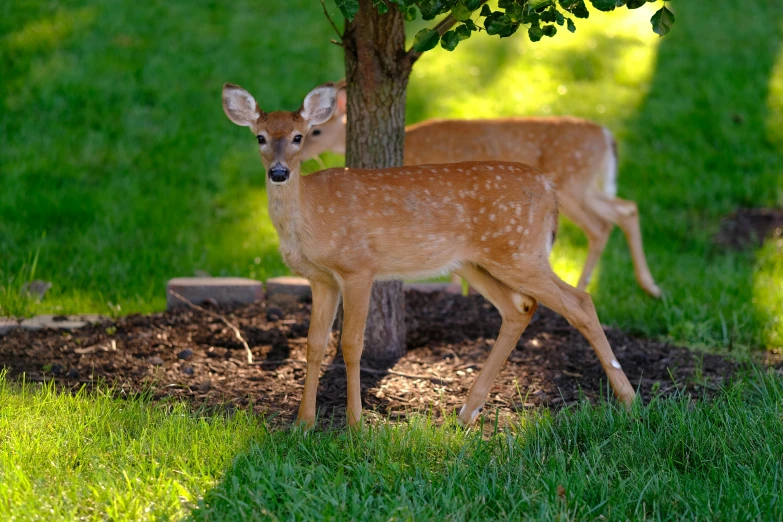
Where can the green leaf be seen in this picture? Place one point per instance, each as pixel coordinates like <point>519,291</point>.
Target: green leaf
<point>549,30</point>
<point>462,31</point>
<point>409,14</point>
<point>425,40</point>
<point>575,7</point>
<point>497,23</point>
<point>603,5</point>
<point>550,15</point>
<point>382,7</point>
<point>662,21</point>
<point>535,33</point>
<point>348,8</point>
<point>635,4</point>
<point>515,13</point>
<point>485,10</point>
<point>460,12</point>
<point>535,5</point>
<point>449,40</point>
<point>571,26</point>
<point>432,8</point>
<point>559,17</point>
<point>472,4</point>
<point>470,24</point>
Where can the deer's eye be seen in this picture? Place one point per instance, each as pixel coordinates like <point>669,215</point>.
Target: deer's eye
<point>317,132</point>
<point>261,140</point>
<point>298,139</point>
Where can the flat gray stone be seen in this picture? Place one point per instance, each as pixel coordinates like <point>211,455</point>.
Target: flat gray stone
<point>218,290</point>
<point>449,288</point>
<point>8,325</point>
<point>55,322</point>
<point>287,292</point>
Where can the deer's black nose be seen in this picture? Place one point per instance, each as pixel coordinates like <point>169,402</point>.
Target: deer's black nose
<point>279,174</point>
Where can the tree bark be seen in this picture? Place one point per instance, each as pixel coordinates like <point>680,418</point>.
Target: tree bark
<point>377,71</point>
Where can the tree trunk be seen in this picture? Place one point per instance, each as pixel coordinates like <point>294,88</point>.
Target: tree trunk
<point>377,71</point>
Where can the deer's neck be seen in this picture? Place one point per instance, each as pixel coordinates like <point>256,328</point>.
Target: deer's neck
<point>285,211</point>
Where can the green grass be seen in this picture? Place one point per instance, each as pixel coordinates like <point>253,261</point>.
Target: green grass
<point>93,457</point>
<point>113,144</point>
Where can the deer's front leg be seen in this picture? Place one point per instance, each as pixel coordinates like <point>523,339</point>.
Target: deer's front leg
<point>356,303</point>
<point>326,295</point>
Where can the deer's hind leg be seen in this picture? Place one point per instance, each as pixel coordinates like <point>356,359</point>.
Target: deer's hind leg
<point>543,285</point>
<point>516,310</point>
<point>594,226</point>
<point>625,214</point>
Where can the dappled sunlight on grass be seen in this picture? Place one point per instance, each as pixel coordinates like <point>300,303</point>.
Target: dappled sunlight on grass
<point>51,31</point>
<point>768,291</point>
<point>90,456</point>
<point>569,252</point>
<point>568,74</point>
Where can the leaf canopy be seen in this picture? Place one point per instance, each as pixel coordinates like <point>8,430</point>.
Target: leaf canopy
<point>537,16</point>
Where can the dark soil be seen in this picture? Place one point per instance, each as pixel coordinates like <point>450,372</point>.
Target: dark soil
<point>187,354</point>
<point>750,227</point>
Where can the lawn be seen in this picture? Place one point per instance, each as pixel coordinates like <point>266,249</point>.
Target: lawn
<point>92,457</point>
<point>120,170</point>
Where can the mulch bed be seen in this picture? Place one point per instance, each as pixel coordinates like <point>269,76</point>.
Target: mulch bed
<point>750,227</point>
<point>186,354</point>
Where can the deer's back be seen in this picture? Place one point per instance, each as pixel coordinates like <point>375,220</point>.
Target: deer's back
<point>558,146</point>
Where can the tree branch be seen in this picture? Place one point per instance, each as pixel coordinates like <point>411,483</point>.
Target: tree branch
<point>333,25</point>
<point>218,316</point>
<point>443,26</point>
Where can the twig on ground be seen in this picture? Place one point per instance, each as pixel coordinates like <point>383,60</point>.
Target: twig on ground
<point>217,316</point>
<point>373,371</point>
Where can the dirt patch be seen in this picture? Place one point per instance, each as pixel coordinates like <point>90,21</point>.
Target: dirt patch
<point>750,227</point>
<point>185,354</point>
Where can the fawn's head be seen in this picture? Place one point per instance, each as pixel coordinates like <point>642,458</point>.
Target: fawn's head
<point>330,135</point>
<point>281,135</point>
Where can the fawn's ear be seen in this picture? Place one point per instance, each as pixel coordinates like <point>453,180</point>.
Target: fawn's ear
<point>240,106</point>
<point>319,105</point>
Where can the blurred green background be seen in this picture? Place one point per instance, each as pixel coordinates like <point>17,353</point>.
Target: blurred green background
<point>118,169</point>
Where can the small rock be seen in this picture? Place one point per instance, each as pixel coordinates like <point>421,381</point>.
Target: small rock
<point>185,354</point>
<point>73,373</point>
<point>188,370</point>
<point>205,386</point>
<point>300,329</point>
<point>274,314</point>
<point>57,369</point>
<point>36,289</point>
<point>7,325</point>
<point>216,352</point>
<point>155,361</point>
